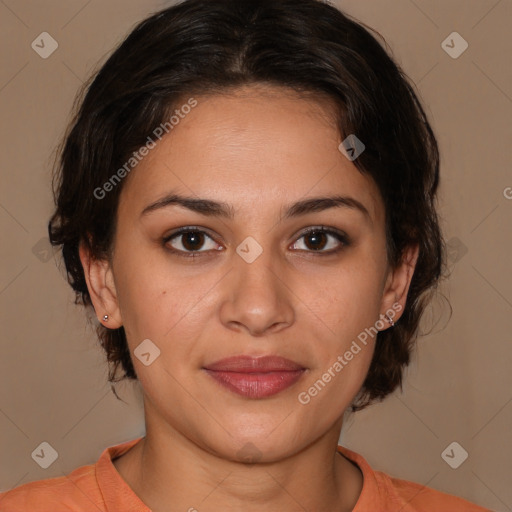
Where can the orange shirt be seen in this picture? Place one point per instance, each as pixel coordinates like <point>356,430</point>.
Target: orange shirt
<point>100,488</point>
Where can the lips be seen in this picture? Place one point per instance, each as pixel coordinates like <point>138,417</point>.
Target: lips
<point>253,377</point>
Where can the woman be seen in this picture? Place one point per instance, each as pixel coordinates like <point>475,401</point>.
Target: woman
<point>247,200</point>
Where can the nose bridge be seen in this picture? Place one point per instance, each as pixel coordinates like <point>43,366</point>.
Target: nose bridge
<point>256,267</point>
<point>259,299</point>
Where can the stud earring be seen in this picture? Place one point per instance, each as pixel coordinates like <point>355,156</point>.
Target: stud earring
<point>105,318</point>
<point>390,320</point>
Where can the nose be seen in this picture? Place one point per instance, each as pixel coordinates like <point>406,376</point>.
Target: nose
<point>257,297</point>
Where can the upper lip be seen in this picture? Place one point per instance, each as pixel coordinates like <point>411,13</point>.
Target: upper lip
<point>249,364</point>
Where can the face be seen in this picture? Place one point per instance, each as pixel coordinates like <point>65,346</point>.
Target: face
<point>252,275</point>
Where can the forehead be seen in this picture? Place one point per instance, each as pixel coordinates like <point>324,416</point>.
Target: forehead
<point>254,148</point>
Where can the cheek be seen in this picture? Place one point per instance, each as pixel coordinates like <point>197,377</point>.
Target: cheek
<point>342,324</point>
<point>160,303</point>
<point>346,302</point>
<point>342,353</point>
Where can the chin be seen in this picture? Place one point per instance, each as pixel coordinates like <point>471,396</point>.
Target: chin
<point>265,443</point>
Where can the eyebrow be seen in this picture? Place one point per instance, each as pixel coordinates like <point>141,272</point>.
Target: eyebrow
<point>220,209</point>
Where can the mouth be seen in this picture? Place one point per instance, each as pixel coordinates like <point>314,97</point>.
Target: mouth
<point>253,377</point>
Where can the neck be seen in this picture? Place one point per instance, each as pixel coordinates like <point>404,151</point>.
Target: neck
<point>168,471</point>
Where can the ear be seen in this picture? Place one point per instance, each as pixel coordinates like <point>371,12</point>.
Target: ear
<point>101,286</point>
<point>397,285</point>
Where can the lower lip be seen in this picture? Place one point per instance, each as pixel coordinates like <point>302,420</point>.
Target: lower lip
<point>256,385</point>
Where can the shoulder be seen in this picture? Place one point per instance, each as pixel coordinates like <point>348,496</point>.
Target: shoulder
<point>95,487</point>
<point>419,498</point>
<point>387,494</point>
<point>75,492</point>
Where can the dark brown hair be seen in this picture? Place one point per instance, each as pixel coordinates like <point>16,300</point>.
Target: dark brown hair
<point>208,46</point>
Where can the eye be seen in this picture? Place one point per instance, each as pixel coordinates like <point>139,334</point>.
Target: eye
<point>322,240</point>
<point>190,240</point>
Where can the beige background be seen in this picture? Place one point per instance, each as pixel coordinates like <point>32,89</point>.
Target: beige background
<point>53,380</point>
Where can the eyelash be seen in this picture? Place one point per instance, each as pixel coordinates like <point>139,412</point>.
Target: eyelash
<point>339,235</point>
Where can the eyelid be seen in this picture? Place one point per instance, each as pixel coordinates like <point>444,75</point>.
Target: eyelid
<point>323,228</point>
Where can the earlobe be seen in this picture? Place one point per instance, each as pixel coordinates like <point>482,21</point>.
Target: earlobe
<point>101,286</point>
<point>397,288</point>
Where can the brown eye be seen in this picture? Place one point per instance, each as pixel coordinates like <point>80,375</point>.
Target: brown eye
<point>315,240</point>
<point>322,241</point>
<point>193,240</point>
<point>190,241</point>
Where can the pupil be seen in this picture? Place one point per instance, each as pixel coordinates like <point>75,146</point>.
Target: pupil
<point>315,237</point>
<point>192,240</point>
